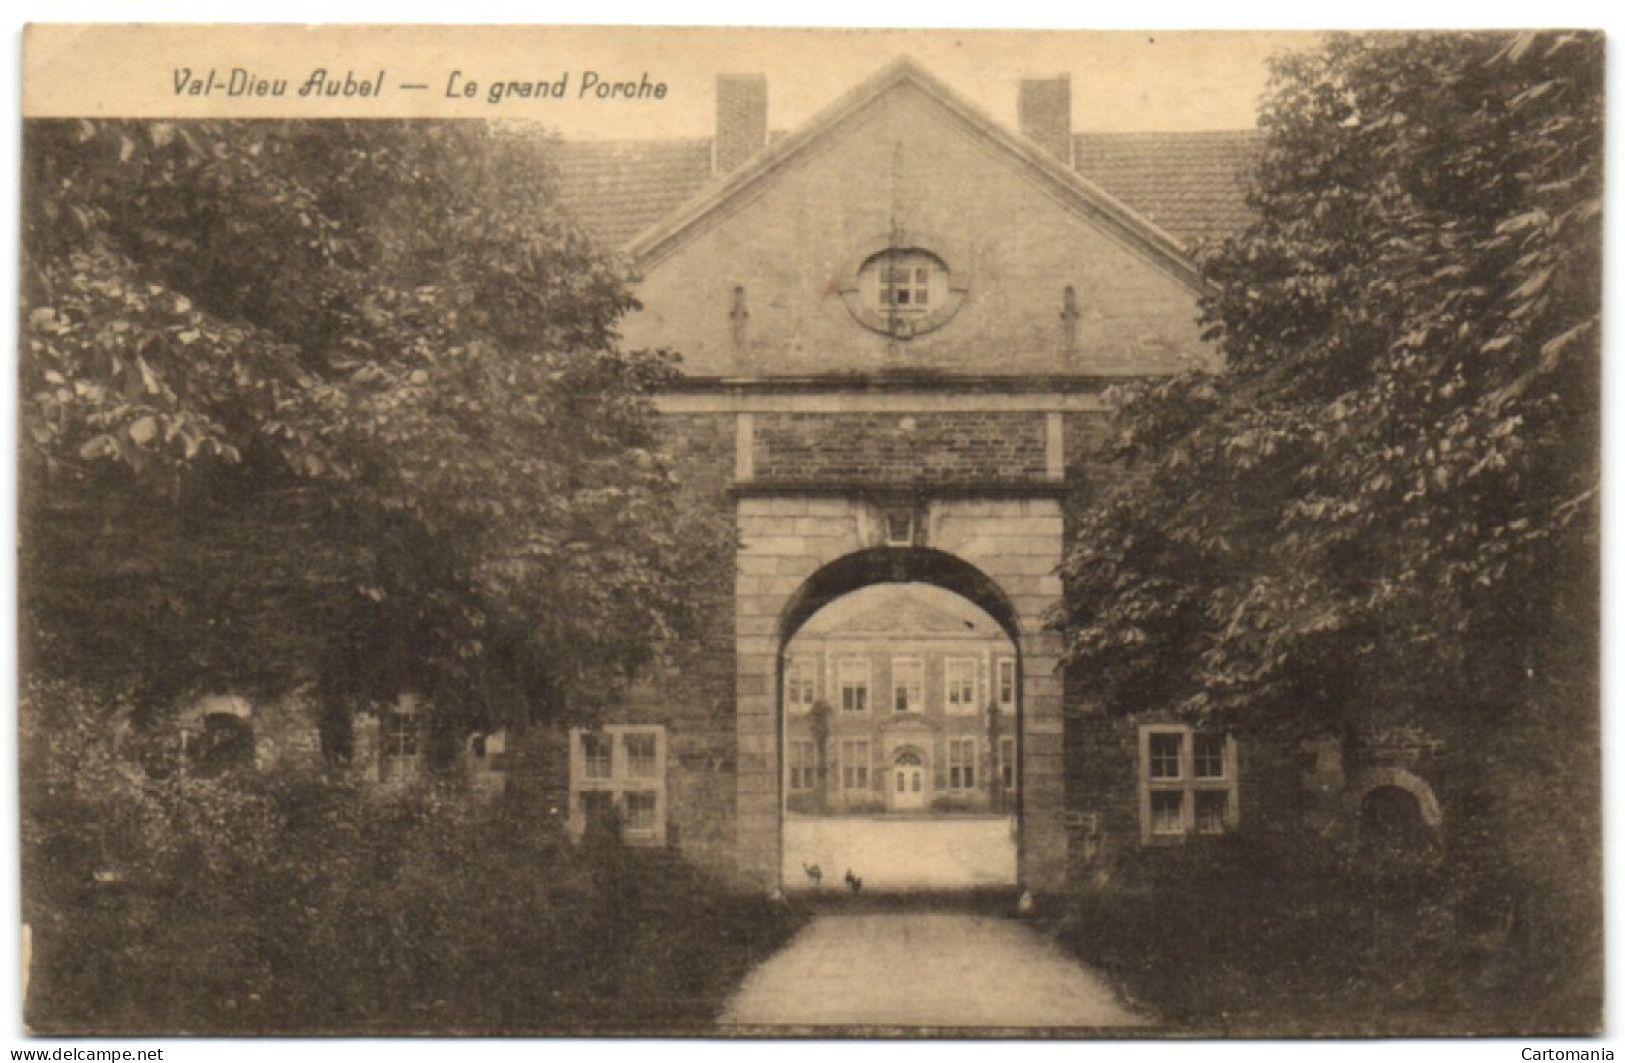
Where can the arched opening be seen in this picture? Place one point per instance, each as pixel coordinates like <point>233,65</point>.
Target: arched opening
<point>224,743</point>
<point>899,702</point>
<point>1390,815</point>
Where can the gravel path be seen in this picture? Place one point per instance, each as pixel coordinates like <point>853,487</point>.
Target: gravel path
<point>931,970</point>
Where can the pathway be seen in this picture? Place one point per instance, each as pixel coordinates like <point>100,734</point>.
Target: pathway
<point>924,969</point>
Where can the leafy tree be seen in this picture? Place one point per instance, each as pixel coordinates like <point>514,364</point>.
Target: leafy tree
<point>334,403</point>
<point>1383,509</point>
<point>1387,498</point>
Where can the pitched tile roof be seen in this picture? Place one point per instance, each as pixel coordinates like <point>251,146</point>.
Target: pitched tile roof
<point>617,189</point>
<point>1192,185</point>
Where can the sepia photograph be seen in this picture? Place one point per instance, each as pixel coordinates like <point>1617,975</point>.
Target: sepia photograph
<point>561,531</point>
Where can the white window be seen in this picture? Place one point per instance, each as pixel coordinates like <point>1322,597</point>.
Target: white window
<point>1007,764</point>
<point>597,756</point>
<point>801,764</point>
<point>904,281</point>
<point>852,676</point>
<point>618,772</point>
<point>800,684</point>
<point>641,808</point>
<point>908,684</point>
<point>961,763</point>
<point>400,740</point>
<point>640,755</point>
<point>1187,782</point>
<point>854,765</point>
<point>959,677</point>
<point>1006,684</point>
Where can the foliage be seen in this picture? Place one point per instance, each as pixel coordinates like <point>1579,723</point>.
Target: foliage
<point>281,903</point>
<point>1383,509</point>
<point>1394,477</point>
<point>335,402</point>
<point>1234,951</point>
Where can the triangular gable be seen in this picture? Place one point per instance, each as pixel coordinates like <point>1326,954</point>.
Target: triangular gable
<point>1065,185</point>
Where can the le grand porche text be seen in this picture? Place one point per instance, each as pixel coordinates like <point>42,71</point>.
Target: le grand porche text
<point>590,85</point>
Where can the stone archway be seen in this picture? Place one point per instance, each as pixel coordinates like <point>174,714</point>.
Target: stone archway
<point>797,553</point>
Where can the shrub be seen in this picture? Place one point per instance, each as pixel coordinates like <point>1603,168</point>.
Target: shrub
<point>303,903</point>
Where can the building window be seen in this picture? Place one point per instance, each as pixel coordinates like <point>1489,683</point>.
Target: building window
<point>852,676</point>
<point>904,281</point>
<point>800,684</point>
<point>1187,782</point>
<point>640,755</point>
<point>399,737</point>
<point>962,764</point>
<point>908,684</point>
<point>1006,693</point>
<point>1166,753</point>
<point>900,284</point>
<point>1167,812</point>
<point>597,756</point>
<point>618,773</point>
<point>1207,756</point>
<point>801,764</point>
<point>1211,809</point>
<point>640,811</point>
<point>596,810</point>
<point>1007,764</point>
<point>959,676</point>
<point>854,765</point>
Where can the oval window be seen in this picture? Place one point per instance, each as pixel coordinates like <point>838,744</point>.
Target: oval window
<point>906,282</point>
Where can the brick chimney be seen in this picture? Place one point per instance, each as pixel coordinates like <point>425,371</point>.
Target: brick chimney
<point>741,120</point>
<point>1044,114</point>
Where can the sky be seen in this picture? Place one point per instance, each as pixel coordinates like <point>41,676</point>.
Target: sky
<point>1121,80</point>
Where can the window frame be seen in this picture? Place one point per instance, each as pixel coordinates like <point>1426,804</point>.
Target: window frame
<point>621,782</point>
<point>963,754</point>
<point>1184,784</point>
<point>399,723</point>
<point>598,763</point>
<point>800,676</point>
<point>1007,763</point>
<point>804,773</point>
<point>881,292</point>
<point>641,767</point>
<point>1000,666</point>
<point>949,705</point>
<point>858,664</point>
<point>853,765</point>
<point>915,688</point>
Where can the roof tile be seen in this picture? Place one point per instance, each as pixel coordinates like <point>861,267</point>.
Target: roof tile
<point>1192,185</point>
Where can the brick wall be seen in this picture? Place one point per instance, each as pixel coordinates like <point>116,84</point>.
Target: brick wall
<point>691,691</point>
<point>891,448</point>
<point>1290,812</point>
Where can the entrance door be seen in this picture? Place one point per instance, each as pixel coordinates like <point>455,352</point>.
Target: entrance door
<point>908,782</point>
